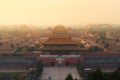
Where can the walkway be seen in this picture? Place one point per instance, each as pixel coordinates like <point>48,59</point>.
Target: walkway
<point>58,73</point>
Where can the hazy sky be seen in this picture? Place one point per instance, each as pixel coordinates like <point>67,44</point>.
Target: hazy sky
<point>50,12</point>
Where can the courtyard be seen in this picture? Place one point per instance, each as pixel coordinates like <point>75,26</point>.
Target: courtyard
<point>58,73</point>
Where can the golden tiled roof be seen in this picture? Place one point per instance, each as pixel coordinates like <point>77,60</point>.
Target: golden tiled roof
<point>59,29</point>
<point>60,41</point>
<point>60,32</point>
<point>63,48</point>
<point>59,35</point>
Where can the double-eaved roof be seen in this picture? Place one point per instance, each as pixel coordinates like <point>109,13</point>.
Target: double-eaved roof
<point>62,48</point>
<point>60,40</point>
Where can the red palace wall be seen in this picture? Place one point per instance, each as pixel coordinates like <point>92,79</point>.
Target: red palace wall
<point>54,62</point>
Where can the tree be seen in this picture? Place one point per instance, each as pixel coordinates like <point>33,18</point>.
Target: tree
<point>90,76</point>
<point>23,76</point>
<point>108,76</point>
<point>39,69</point>
<point>69,77</point>
<point>12,46</point>
<point>80,69</point>
<point>102,35</point>
<point>117,40</point>
<point>116,74</point>
<point>94,49</point>
<point>75,78</point>
<point>37,46</point>
<point>19,49</point>
<point>106,45</point>
<point>81,45</point>
<point>96,75</point>
<point>1,44</point>
<point>31,49</point>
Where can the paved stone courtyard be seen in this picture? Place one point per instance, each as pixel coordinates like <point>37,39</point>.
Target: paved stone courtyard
<point>59,73</point>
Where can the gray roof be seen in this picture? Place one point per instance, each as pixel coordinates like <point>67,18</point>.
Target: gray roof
<point>16,59</point>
